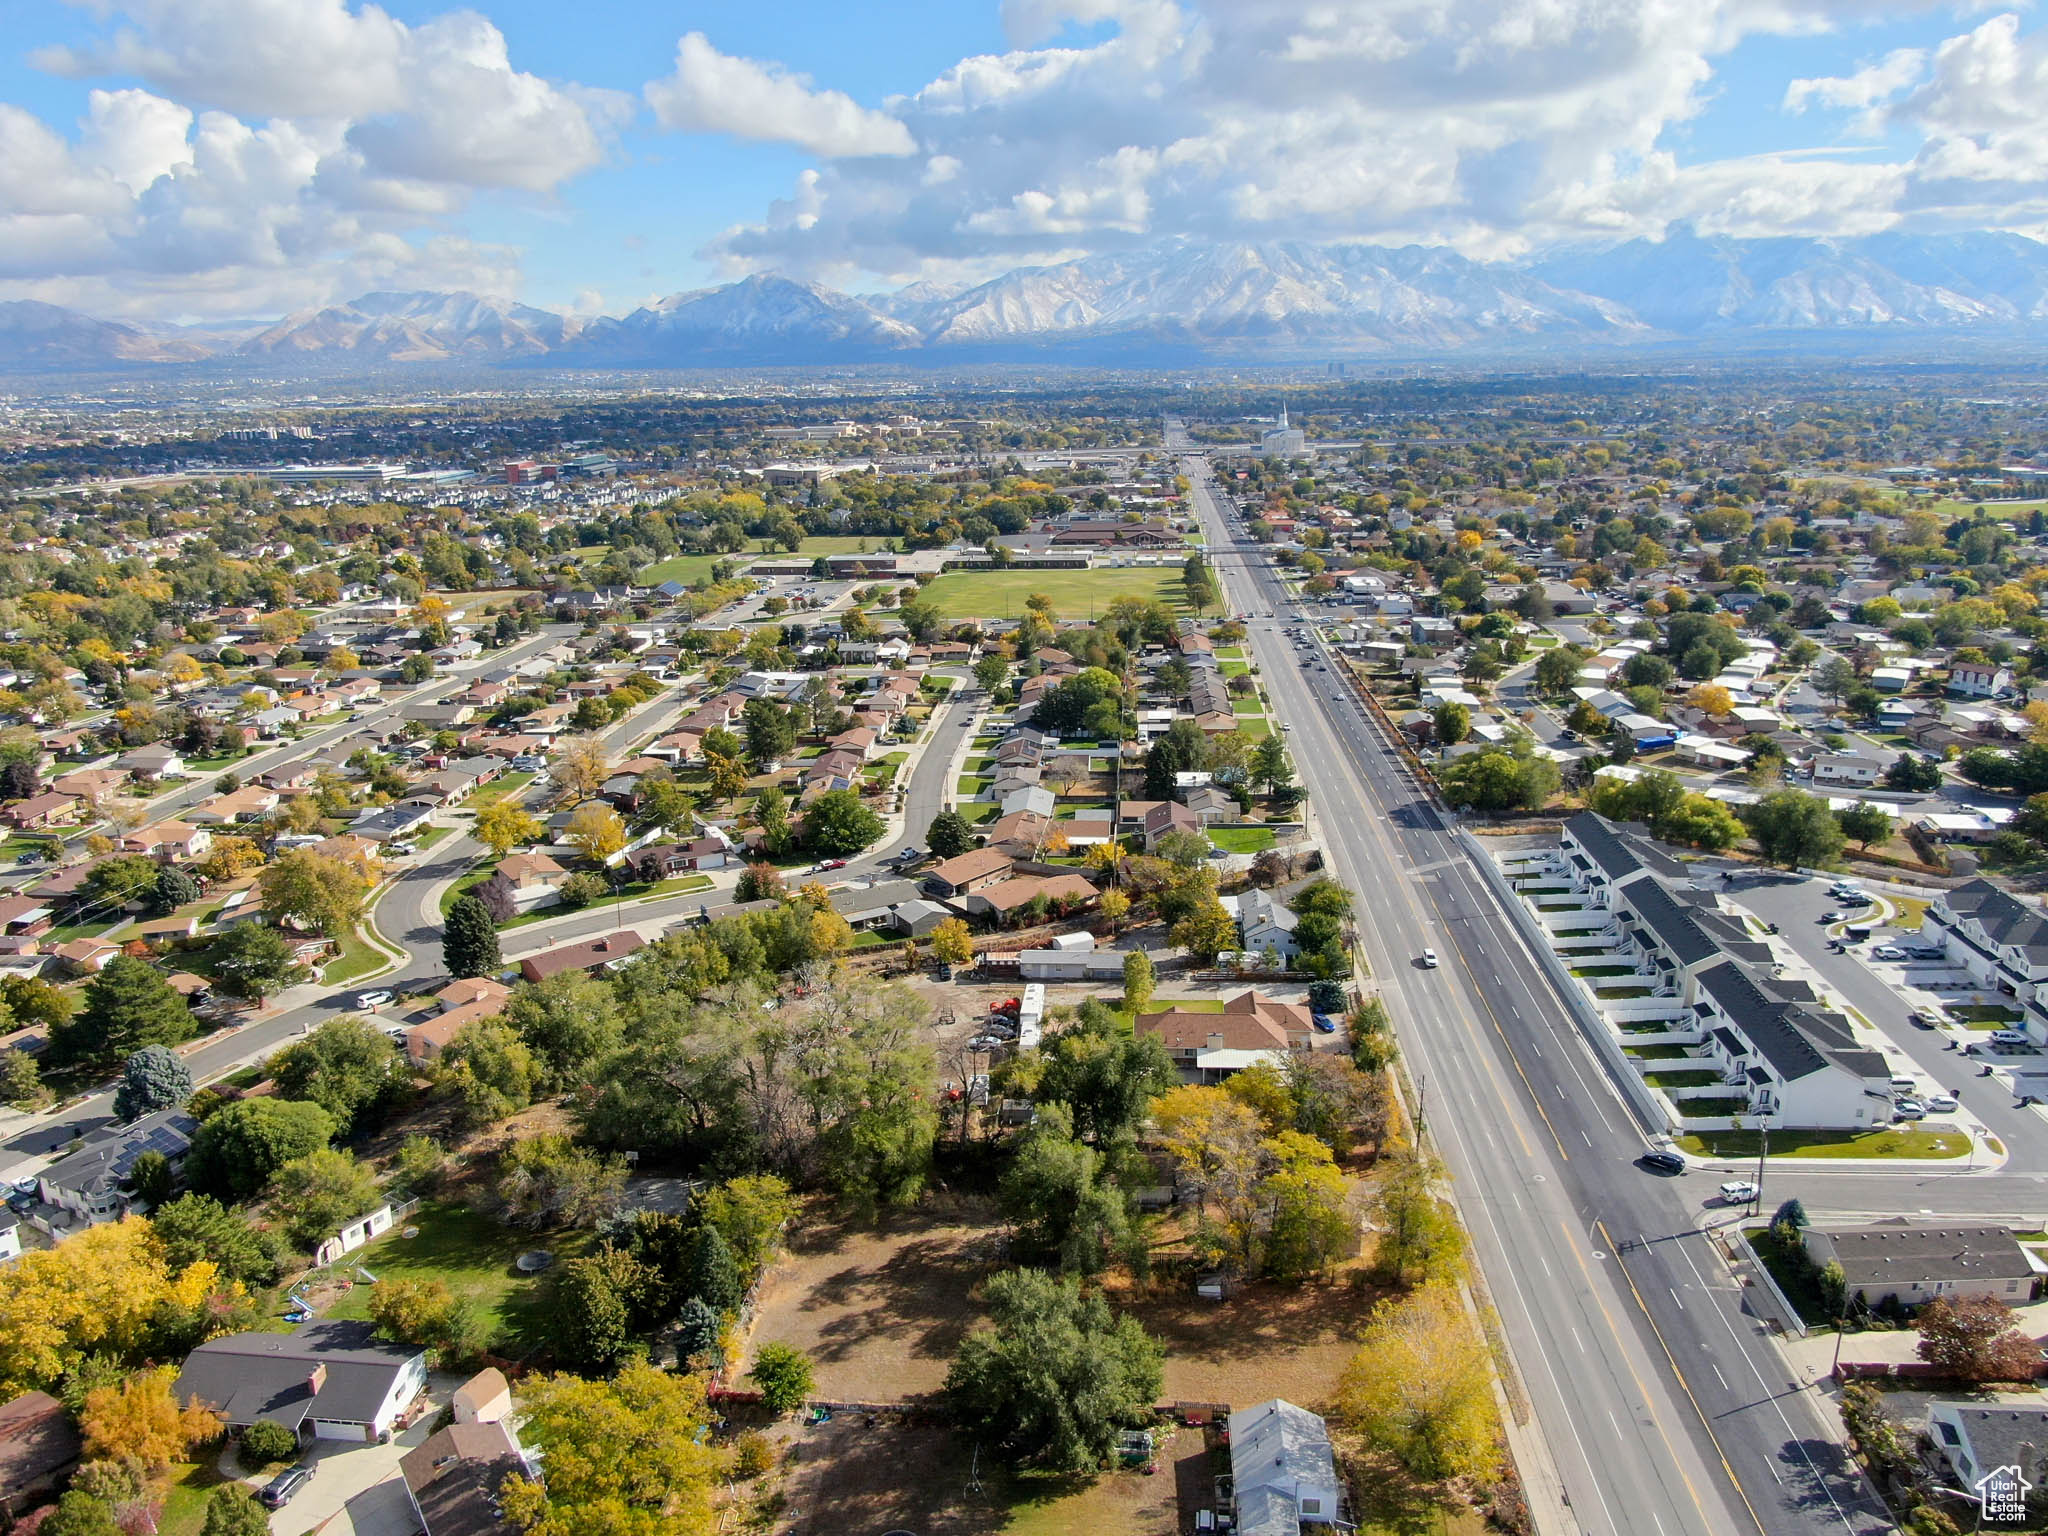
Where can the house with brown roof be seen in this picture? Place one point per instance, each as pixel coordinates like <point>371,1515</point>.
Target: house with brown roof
<point>1006,898</point>
<point>86,957</point>
<point>1210,1047</point>
<point>591,955</point>
<point>521,882</point>
<point>169,842</point>
<point>244,804</point>
<point>1166,818</point>
<point>970,871</point>
<point>39,1449</point>
<point>49,809</point>
<point>455,1479</point>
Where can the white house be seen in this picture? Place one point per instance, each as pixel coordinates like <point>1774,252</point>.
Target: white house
<point>1846,768</point>
<point>1999,941</point>
<point>1283,1471</point>
<point>329,1381</point>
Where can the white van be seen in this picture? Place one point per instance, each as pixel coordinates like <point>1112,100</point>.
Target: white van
<point>1902,1083</point>
<point>2010,1037</point>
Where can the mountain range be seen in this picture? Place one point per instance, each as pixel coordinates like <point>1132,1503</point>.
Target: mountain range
<point>1179,301</point>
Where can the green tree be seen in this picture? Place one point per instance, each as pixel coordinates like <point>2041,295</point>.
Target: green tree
<point>1057,1377</point>
<point>949,835</point>
<point>712,1275</point>
<point>1452,722</point>
<point>1137,981</point>
<point>1866,824</point>
<point>751,1213</point>
<point>1914,773</point>
<point>546,1181</point>
<point>253,960</point>
<point>240,1146</point>
<point>1418,1237</point>
<point>1795,829</point>
<point>80,1514</point>
<point>837,825</point>
<point>783,1376</point>
<point>314,1195</point>
<point>232,1510</point>
<point>698,1331</point>
<point>489,1070</point>
<point>1507,777</point>
<point>150,1179</point>
<point>174,888</point>
<point>21,1081</point>
<point>570,1022</point>
<point>1104,1077</point>
<point>624,1457</point>
<point>1067,1206</point>
<point>469,942</point>
<point>990,673</point>
<point>770,733</point>
<point>153,1078</point>
<point>590,1300</point>
<point>128,1005</point>
<point>347,1066</point>
<point>315,890</point>
<point>196,1227</point>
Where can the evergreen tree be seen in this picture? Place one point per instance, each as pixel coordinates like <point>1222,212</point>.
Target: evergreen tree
<point>174,888</point>
<point>469,944</point>
<point>152,1079</point>
<point>127,1006</point>
<point>714,1276</point>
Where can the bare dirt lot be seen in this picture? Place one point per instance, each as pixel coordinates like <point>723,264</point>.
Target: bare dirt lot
<point>1265,1341</point>
<point>879,1309</point>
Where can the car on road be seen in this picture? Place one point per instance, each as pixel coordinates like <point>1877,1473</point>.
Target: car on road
<point>1286,725</point>
<point>1663,1162</point>
<point>1855,899</point>
<point>376,999</point>
<point>1919,1018</point>
<point>1831,917</point>
<point>279,1490</point>
<point>1738,1192</point>
<point>826,864</point>
<point>1429,959</point>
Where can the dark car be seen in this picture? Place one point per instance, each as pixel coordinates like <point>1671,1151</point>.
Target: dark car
<point>279,1490</point>
<point>1663,1162</point>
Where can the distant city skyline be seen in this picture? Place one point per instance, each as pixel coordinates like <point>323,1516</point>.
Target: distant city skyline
<point>185,159</point>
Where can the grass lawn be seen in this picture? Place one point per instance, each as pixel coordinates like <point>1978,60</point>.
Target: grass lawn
<point>1254,728</point>
<point>688,569</point>
<point>1658,1052</point>
<point>185,1500</point>
<point>472,1255</point>
<point>971,784</point>
<point>1229,653</point>
<point>1242,839</point>
<point>1235,668</point>
<point>476,875</point>
<point>498,789</point>
<point>978,811</point>
<point>1075,594</point>
<point>1983,1015</point>
<point>357,958</point>
<point>675,885</point>
<point>1793,1271</point>
<point>1691,1079</point>
<point>1909,912</point>
<point>433,835</point>
<point>1912,1142</point>
<point>1950,508</point>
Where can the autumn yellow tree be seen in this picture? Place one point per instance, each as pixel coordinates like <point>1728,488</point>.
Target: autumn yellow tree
<point>581,769</point>
<point>230,857</point>
<point>1711,699</point>
<point>1219,1144</point>
<point>139,1420</point>
<point>597,829</point>
<point>1420,1388</point>
<point>504,825</point>
<point>952,943</point>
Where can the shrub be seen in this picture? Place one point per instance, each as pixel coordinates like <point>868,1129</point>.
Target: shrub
<point>754,1455</point>
<point>267,1441</point>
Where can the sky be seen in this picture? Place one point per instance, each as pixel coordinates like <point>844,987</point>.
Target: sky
<point>224,159</point>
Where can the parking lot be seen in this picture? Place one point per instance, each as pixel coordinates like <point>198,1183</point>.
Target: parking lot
<point>1890,985</point>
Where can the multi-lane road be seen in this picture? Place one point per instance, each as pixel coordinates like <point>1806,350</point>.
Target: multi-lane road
<point>1664,1406</point>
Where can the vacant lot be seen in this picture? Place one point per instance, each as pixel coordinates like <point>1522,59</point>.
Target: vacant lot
<point>1266,1341</point>
<point>1075,594</point>
<point>844,1476</point>
<point>879,1309</point>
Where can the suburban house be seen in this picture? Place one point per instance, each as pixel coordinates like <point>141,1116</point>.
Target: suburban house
<point>1797,1062</point>
<point>1007,897</point>
<point>521,882</point>
<point>1209,1047</point>
<point>597,954</point>
<point>152,763</point>
<point>39,1448</point>
<point>48,809</point>
<point>1978,1440</point>
<point>1912,1262</point>
<point>1283,1472</point>
<point>1846,768</point>
<point>1264,922</point>
<point>1166,818</point>
<point>168,842</point>
<point>969,871</point>
<point>1978,680</point>
<point>88,1187</point>
<point>328,1381</point>
<point>2000,941</point>
<point>453,1479</point>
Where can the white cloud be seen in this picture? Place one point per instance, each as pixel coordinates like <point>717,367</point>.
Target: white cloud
<point>1868,89</point>
<point>290,143</point>
<point>713,92</point>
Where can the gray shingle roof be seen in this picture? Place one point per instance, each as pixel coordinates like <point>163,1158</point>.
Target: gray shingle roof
<point>250,1376</point>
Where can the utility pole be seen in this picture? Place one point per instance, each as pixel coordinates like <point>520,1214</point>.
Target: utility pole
<point>1763,1151</point>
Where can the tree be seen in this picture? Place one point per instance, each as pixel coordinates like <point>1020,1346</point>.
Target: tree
<point>504,825</point>
<point>1865,823</point>
<point>316,891</point>
<point>545,1181</point>
<point>1500,778</point>
<point>698,1334</point>
<point>348,1066</point>
<point>123,878</point>
<point>1311,1220</point>
<point>489,1070</point>
<point>267,1442</point>
<point>1060,1192</point>
<point>174,888</point>
<point>1452,722</point>
<point>580,769</point>
<point>240,1146</point>
<point>570,1023</point>
<point>990,673</point>
<point>728,774</point>
<point>21,1081</point>
<point>253,960</point>
<point>783,1375</point>
<point>952,942</point>
<point>1269,765</point>
<point>153,1078</point>
<point>1106,1078</point>
<point>316,1195</point>
<point>150,1179</point>
<point>711,1274</point>
<point>232,1510</point>
<point>1420,1388</point>
<point>469,941</point>
<point>949,835</point>
<point>193,1228</point>
<point>589,1308</point>
<point>598,830</point>
<point>770,733</point>
<point>128,1005</point>
<point>759,882</point>
<point>1711,699</point>
<point>1206,931</point>
<point>1795,829</point>
<point>139,1420</point>
<point>624,1457</point>
<point>80,1514</point>
<point>1834,678</point>
<point>1057,1377</point>
<point>1914,773</point>
<point>1218,1143</point>
<point>1419,1238</point>
<point>1972,1338</point>
<point>1137,981</point>
<point>837,825</point>
<point>750,1213</point>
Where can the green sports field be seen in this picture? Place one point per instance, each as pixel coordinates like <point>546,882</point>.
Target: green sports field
<point>1075,594</point>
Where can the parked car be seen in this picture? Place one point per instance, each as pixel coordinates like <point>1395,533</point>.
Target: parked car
<point>377,999</point>
<point>1855,899</point>
<point>1663,1162</point>
<point>824,864</point>
<point>1919,1017</point>
<point>1941,1104</point>
<point>1831,917</point>
<point>1909,1109</point>
<point>1323,1022</point>
<point>1738,1192</point>
<point>2009,1037</point>
<point>279,1490</point>
<point>1887,952</point>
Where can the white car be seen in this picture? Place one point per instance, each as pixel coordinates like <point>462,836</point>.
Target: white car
<point>1738,1192</point>
<point>1429,959</point>
<point>1941,1104</point>
<point>377,999</point>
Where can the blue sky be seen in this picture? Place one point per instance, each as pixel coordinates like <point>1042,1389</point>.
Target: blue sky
<point>189,158</point>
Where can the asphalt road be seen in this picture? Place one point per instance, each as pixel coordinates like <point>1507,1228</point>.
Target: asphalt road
<point>1665,1406</point>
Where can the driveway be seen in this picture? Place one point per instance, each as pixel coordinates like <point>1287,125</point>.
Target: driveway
<point>355,1487</point>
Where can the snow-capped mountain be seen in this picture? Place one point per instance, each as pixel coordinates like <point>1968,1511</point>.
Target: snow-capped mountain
<point>1172,302</point>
